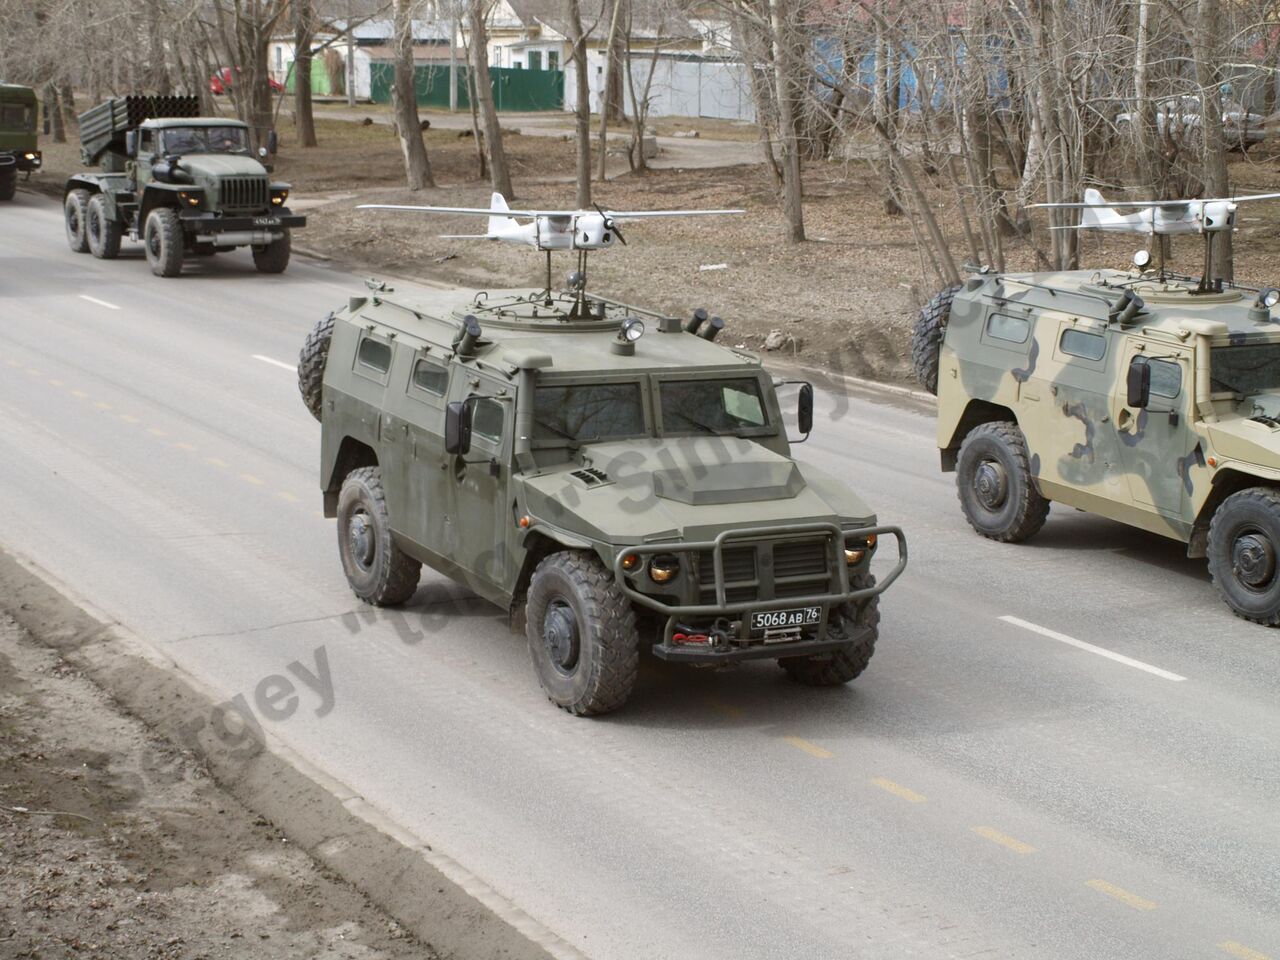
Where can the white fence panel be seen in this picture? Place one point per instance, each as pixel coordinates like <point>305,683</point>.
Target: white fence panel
<point>680,88</point>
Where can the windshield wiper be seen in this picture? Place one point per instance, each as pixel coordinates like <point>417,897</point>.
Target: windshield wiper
<point>706,428</point>
<point>554,429</point>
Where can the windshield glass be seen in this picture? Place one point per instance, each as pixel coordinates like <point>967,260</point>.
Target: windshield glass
<point>204,140</point>
<point>584,412</point>
<point>1247,369</point>
<point>713,406</point>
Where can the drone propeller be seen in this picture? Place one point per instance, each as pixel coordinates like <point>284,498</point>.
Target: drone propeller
<point>610,223</point>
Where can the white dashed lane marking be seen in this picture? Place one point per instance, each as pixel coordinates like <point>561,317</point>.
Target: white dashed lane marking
<point>101,303</point>
<point>276,363</point>
<point>1090,648</point>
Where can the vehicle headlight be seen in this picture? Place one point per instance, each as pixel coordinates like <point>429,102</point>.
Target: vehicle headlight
<point>857,549</point>
<point>190,197</point>
<point>663,569</point>
<point>278,197</point>
<point>631,562</point>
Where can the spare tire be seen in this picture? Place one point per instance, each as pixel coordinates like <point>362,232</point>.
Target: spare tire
<point>311,361</point>
<point>926,339</point>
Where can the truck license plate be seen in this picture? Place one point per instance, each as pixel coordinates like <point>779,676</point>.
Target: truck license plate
<point>784,619</point>
<point>266,221</point>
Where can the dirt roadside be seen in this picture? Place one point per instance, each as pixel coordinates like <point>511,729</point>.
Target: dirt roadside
<point>129,830</point>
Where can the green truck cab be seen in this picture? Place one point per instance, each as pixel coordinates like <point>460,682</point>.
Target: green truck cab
<point>1136,395</point>
<point>612,473</point>
<point>18,153</point>
<point>182,184</point>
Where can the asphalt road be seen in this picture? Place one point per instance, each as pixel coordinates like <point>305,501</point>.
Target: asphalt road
<point>985,789</point>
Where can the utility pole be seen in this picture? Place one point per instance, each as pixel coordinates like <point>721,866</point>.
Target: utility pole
<point>351,57</point>
<point>453,61</point>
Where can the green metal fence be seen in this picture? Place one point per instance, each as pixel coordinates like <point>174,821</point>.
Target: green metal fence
<point>513,88</point>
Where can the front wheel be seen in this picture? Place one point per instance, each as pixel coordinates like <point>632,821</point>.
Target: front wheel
<point>993,480</point>
<point>100,231</point>
<point>840,666</point>
<point>8,183</point>
<point>379,572</point>
<point>162,238</point>
<point>1244,554</point>
<point>582,634</point>
<point>273,257</point>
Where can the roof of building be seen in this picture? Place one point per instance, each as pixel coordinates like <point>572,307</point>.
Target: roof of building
<point>649,18</point>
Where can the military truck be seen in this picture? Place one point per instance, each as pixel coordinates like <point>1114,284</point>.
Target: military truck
<point>618,487</point>
<point>184,185</point>
<point>18,153</point>
<point>1145,397</point>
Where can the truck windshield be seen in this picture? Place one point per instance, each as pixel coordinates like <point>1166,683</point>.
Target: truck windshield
<point>17,116</point>
<point>1250,369</point>
<point>181,140</point>
<point>713,406</point>
<point>584,412</point>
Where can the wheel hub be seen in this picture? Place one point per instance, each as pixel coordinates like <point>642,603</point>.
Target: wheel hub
<point>1253,559</point>
<point>560,635</point>
<point>360,537</point>
<point>991,483</point>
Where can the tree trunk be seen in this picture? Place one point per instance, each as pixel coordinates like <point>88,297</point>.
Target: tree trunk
<point>784,79</point>
<point>53,108</point>
<point>404,101</point>
<point>614,56</point>
<point>303,60</point>
<point>582,110</point>
<point>884,74</point>
<point>67,101</point>
<point>1205,49</point>
<point>499,176</point>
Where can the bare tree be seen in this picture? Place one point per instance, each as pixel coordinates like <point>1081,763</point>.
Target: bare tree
<point>582,108</point>
<point>482,96</point>
<point>404,98</point>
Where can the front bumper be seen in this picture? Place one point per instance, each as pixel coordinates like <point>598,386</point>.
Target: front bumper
<point>734,640</point>
<point>25,160</point>
<point>205,223</point>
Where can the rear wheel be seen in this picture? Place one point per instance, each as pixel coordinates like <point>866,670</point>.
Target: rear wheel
<point>377,569</point>
<point>8,183</point>
<point>993,480</point>
<point>1244,554</point>
<point>101,232</point>
<point>842,665</point>
<point>74,210</point>
<point>162,238</point>
<point>582,634</point>
<point>273,257</point>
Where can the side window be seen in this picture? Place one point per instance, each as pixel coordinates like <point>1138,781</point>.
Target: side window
<point>147,146</point>
<point>431,376</point>
<point>1004,327</point>
<point>1166,378</point>
<point>1087,346</point>
<point>373,359</point>
<point>486,419</point>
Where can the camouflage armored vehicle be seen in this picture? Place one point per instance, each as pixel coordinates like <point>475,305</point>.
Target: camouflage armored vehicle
<point>18,153</point>
<point>1139,396</point>
<point>614,473</point>
<point>184,185</point>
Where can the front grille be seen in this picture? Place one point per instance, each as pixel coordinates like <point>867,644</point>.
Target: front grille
<point>798,567</point>
<point>243,194</point>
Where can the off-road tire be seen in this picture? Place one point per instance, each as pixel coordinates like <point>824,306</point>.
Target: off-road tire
<point>379,572</point>
<point>163,241</point>
<point>311,362</point>
<point>1244,545</point>
<point>74,210</point>
<point>997,492</point>
<point>926,338</point>
<point>101,233</point>
<point>273,257</point>
<point>840,666</point>
<point>8,183</point>
<point>598,667</point>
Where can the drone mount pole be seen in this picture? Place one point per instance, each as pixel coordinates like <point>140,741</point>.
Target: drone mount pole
<point>547,301</point>
<point>1206,281</point>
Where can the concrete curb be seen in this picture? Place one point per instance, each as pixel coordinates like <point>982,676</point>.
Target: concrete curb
<point>429,893</point>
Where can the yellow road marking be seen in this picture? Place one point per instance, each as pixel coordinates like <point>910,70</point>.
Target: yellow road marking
<point>898,790</point>
<point>80,394</point>
<point>185,446</point>
<point>810,748</point>
<point>728,709</point>
<point>128,418</point>
<point>1124,896</point>
<point>995,836</point>
<point>102,406</point>
<point>215,461</point>
<point>250,478</point>
<point>13,363</point>
<point>286,495</point>
<point>54,383</point>
<point>156,432</point>
<point>34,372</point>
<point>1241,951</point>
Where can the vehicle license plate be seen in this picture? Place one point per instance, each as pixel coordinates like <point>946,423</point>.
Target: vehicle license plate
<point>784,619</point>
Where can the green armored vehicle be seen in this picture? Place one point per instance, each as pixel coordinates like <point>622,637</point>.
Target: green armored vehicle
<point>182,184</point>
<point>1140,396</point>
<point>18,153</point>
<point>612,472</point>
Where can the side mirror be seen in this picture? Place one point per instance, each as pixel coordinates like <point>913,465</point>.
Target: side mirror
<point>131,142</point>
<point>804,409</point>
<point>273,143</point>
<point>262,153</point>
<point>457,427</point>
<point>1138,383</point>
